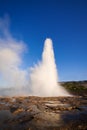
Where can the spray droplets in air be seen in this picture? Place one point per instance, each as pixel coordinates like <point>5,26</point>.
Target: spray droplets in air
<point>44,76</point>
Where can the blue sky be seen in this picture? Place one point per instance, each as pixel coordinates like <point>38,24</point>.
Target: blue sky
<point>64,21</point>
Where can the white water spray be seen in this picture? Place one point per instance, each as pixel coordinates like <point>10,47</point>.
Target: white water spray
<point>43,77</point>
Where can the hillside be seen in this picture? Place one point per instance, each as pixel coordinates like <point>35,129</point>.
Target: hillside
<point>76,87</point>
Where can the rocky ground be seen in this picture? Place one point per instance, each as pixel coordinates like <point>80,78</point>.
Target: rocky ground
<point>43,113</point>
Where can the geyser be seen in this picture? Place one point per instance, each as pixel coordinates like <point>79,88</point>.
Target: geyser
<point>44,75</point>
<point>42,80</point>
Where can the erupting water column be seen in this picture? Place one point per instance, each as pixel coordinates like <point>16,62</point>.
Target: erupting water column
<point>44,76</point>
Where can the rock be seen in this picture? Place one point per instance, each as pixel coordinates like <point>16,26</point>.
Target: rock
<point>5,115</point>
<point>19,110</point>
<point>43,113</point>
<point>33,109</point>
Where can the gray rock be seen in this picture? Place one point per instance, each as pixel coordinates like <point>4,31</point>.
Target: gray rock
<point>5,115</point>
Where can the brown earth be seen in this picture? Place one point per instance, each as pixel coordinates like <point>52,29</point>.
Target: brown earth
<point>43,113</point>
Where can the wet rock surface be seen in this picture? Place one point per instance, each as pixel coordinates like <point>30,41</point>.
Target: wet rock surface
<point>43,113</point>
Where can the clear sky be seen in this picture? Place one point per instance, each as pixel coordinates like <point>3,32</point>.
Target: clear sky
<point>64,21</point>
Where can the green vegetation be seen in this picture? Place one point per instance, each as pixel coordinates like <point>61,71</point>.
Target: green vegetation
<point>79,87</point>
<point>73,86</point>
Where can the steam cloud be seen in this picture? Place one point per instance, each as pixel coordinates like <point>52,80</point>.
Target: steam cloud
<point>10,57</point>
<point>43,77</point>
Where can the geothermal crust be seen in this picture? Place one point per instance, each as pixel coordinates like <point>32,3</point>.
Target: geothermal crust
<point>43,113</point>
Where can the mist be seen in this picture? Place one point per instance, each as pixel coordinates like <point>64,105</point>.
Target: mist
<point>11,51</point>
<point>39,80</point>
